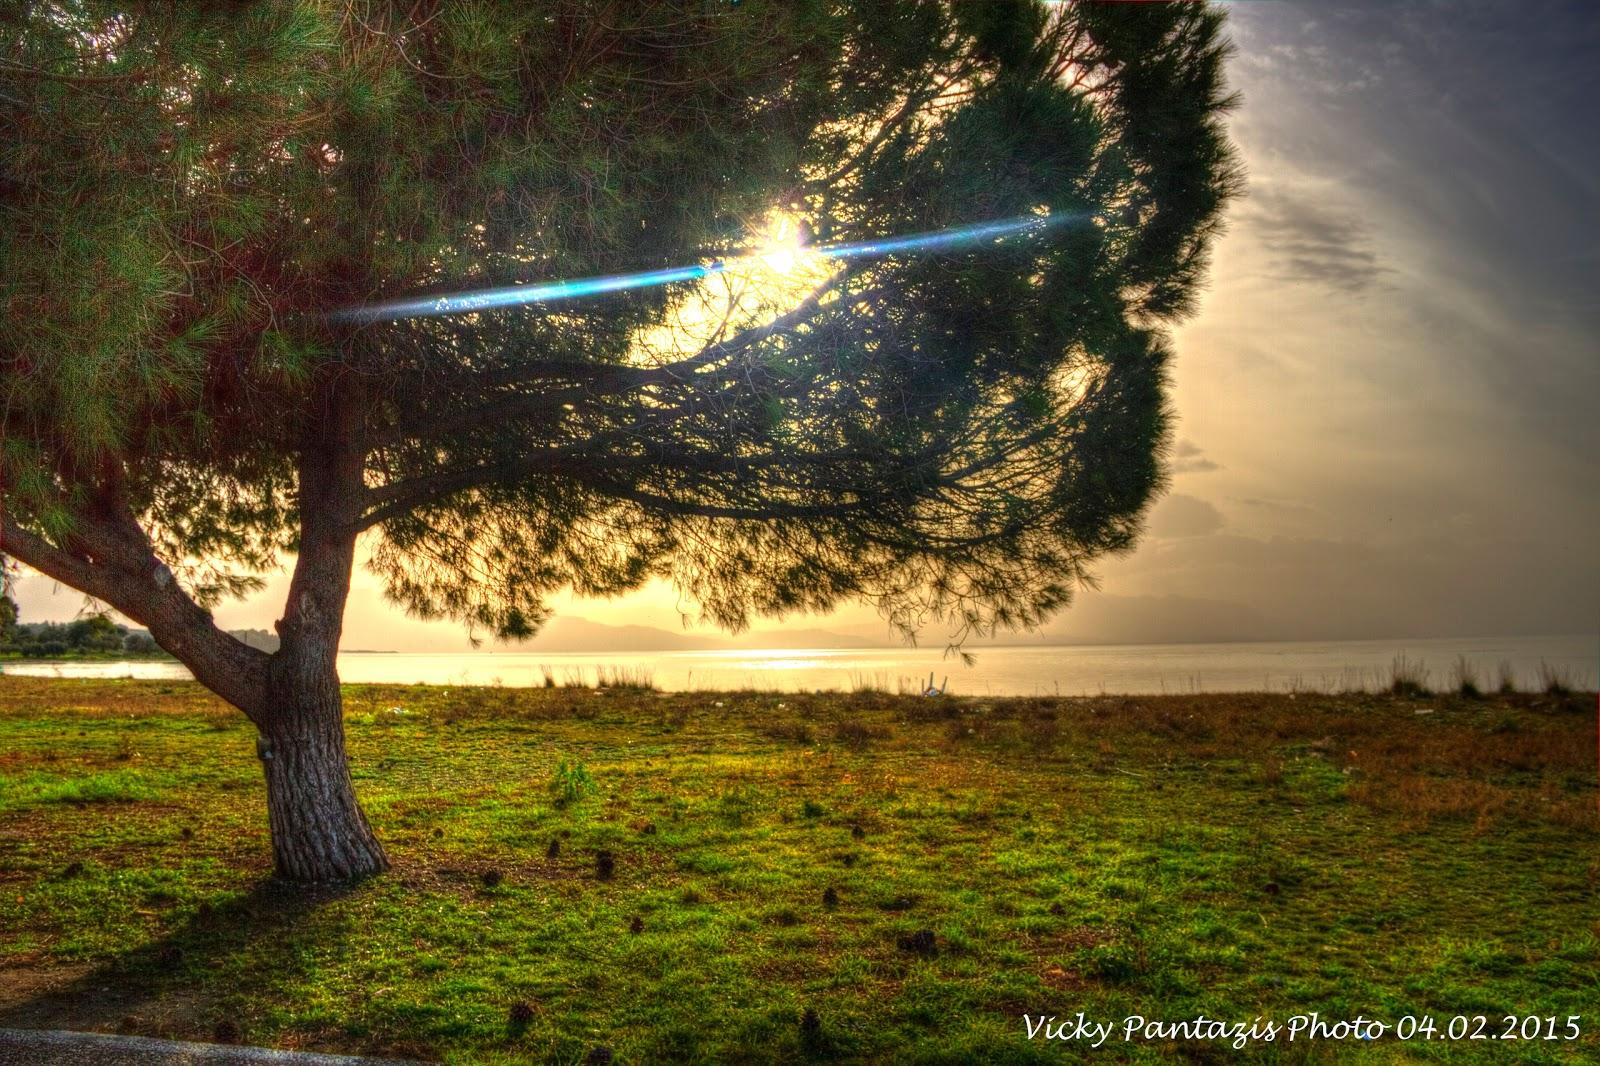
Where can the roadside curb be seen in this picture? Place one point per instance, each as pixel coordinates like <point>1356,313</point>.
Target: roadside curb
<point>56,1047</point>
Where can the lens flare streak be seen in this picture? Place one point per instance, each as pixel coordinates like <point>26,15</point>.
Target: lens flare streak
<point>554,291</point>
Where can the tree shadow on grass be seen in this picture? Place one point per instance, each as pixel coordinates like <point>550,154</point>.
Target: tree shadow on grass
<point>206,978</point>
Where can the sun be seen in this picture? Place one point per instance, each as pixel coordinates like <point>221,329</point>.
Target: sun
<point>781,245</point>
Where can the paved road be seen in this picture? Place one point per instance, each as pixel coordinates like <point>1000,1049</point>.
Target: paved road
<point>41,1047</point>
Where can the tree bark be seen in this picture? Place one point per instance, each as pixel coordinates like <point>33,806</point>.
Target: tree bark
<point>319,832</point>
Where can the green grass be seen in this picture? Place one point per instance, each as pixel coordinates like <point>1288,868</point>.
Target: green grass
<point>1237,856</point>
<point>116,786</point>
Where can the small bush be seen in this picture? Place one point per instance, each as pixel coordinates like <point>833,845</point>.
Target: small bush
<point>1555,680</point>
<point>813,1038</point>
<point>875,684</point>
<point>626,678</point>
<point>1115,963</point>
<point>1507,683</point>
<point>1041,730</point>
<point>1466,679</point>
<point>570,783</point>
<point>1408,679</point>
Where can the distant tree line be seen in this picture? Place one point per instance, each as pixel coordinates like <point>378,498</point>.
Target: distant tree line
<point>93,636</point>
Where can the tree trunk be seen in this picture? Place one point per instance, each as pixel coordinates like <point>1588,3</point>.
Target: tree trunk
<point>318,830</point>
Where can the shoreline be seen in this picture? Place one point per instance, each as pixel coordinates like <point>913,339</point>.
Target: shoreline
<point>599,672</point>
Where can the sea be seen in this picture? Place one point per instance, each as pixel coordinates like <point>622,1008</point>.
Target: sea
<point>1076,670</point>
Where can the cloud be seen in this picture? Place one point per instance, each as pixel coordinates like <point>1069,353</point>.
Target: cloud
<point>1188,458</point>
<point>1266,504</point>
<point>1184,516</point>
<point>1310,241</point>
<point>1476,180</point>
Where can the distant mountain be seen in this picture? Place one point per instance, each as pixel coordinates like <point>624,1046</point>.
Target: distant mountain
<point>803,638</point>
<point>566,633</point>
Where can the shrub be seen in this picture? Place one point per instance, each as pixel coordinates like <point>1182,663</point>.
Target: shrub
<point>1555,680</point>
<point>627,678</point>
<point>570,783</point>
<point>874,684</point>
<point>1466,679</point>
<point>1507,684</point>
<point>1407,678</point>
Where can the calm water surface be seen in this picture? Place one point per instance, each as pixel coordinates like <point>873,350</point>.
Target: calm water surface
<point>1008,671</point>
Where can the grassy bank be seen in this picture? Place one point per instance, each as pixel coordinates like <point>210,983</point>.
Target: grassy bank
<point>837,877</point>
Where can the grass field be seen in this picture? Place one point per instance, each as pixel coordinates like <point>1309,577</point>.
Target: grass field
<point>834,877</point>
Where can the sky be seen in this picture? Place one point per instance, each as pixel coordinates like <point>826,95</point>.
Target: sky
<point>1384,401</point>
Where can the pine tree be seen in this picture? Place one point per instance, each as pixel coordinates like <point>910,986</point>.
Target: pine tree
<point>194,196</point>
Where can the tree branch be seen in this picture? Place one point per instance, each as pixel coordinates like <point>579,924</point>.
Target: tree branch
<point>609,376</point>
<point>120,568</point>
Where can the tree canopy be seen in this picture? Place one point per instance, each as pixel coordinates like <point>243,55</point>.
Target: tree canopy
<point>189,190</point>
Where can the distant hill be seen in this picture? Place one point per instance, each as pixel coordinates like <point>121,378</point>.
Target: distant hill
<point>566,633</point>
<point>803,638</point>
